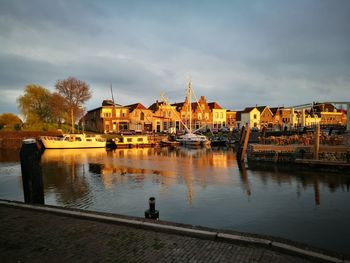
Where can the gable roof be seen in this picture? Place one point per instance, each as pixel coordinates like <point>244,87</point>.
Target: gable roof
<point>214,105</point>
<point>155,106</point>
<point>138,106</point>
<point>178,106</point>
<point>261,108</point>
<point>248,109</point>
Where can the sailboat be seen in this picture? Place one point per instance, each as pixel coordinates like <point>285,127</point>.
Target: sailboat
<point>190,138</point>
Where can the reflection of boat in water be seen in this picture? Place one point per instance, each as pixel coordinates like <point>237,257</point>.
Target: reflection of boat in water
<point>76,154</point>
<point>167,142</point>
<point>130,141</point>
<point>73,141</point>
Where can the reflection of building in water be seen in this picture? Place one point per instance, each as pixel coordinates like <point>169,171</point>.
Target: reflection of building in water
<point>78,155</point>
<point>64,176</point>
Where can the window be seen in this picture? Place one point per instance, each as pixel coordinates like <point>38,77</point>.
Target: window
<point>140,139</point>
<point>129,139</point>
<point>206,115</point>
<point>142,116</point>
<point>221,115</point>
<point>254,116</point>
<point>199,116</point>
<point>216,115</point>
<point>169,114</point>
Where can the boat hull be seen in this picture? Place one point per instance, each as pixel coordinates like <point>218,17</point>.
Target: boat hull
<point>59,143</point>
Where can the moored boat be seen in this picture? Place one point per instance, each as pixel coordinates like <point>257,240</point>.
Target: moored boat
<point>130,141</point>
<point>191,139</point>
<point>73,141</point>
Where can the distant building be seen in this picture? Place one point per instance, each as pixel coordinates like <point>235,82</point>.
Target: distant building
<point>218,115</point>
<point>231,117</point>
<point>329,114</point>
<point>249,116</point>
<point>266,117</point>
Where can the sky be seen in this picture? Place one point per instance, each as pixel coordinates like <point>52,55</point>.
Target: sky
<point>238,53</point>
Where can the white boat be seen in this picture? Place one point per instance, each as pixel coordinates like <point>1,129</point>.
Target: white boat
<point>191,139</point>
<point>73,141</point>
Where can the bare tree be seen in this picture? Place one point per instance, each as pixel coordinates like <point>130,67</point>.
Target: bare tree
<point>58,108</point>
<point>76,93</point>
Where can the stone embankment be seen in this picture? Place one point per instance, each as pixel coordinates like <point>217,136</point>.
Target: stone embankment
<point>44,233</point>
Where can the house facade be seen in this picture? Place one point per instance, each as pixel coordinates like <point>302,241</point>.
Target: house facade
<point>249,116</point>
<point>231,117</point>
<point>218,115</point>
<point>141,118</point>
<point>266,117</point>
<point>109,117</point>
<point>165,117</point>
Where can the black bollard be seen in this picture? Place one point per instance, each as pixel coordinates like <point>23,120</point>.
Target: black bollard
<point>31,172</point>
<point>152,213</point>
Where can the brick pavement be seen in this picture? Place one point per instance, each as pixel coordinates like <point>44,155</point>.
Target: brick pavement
<point>31,236</point>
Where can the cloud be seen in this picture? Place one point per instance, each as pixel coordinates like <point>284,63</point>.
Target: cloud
<point>237,53</point>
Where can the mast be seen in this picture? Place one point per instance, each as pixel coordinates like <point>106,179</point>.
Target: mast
<point>190,103</point>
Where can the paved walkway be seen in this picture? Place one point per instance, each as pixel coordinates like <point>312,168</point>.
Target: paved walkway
<point>32,236</point>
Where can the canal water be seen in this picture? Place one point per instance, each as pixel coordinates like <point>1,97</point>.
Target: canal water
<point>195,186</point>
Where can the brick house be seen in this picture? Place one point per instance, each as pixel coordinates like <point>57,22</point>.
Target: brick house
<point>109,117</point>
<point>140,118</point>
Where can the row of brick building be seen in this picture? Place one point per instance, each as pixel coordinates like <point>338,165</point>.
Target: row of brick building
<point>159,117</point>
<point>163,117</point>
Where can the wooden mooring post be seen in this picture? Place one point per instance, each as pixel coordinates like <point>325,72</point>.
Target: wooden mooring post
<point>32,179</point>
<point>243,141</point>
<point>245,144</point>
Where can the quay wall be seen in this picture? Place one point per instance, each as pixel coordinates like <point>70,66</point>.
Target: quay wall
<point>291,153</point>
<point>12,140</point>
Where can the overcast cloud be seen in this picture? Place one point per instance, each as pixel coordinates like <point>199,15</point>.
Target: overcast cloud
<point>238,53</point>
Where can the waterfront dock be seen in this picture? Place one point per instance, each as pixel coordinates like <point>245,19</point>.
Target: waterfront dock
<point>45,233</point>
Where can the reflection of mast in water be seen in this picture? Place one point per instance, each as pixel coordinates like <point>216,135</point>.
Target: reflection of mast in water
<point>317,192</point>
<point>187,175</point>
<point>244,177</point>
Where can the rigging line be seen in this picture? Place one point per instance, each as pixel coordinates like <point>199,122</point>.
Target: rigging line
<point>205,120</point>
<point>165,100</point>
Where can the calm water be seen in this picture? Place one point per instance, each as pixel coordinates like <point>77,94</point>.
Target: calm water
<point>199,186</point>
